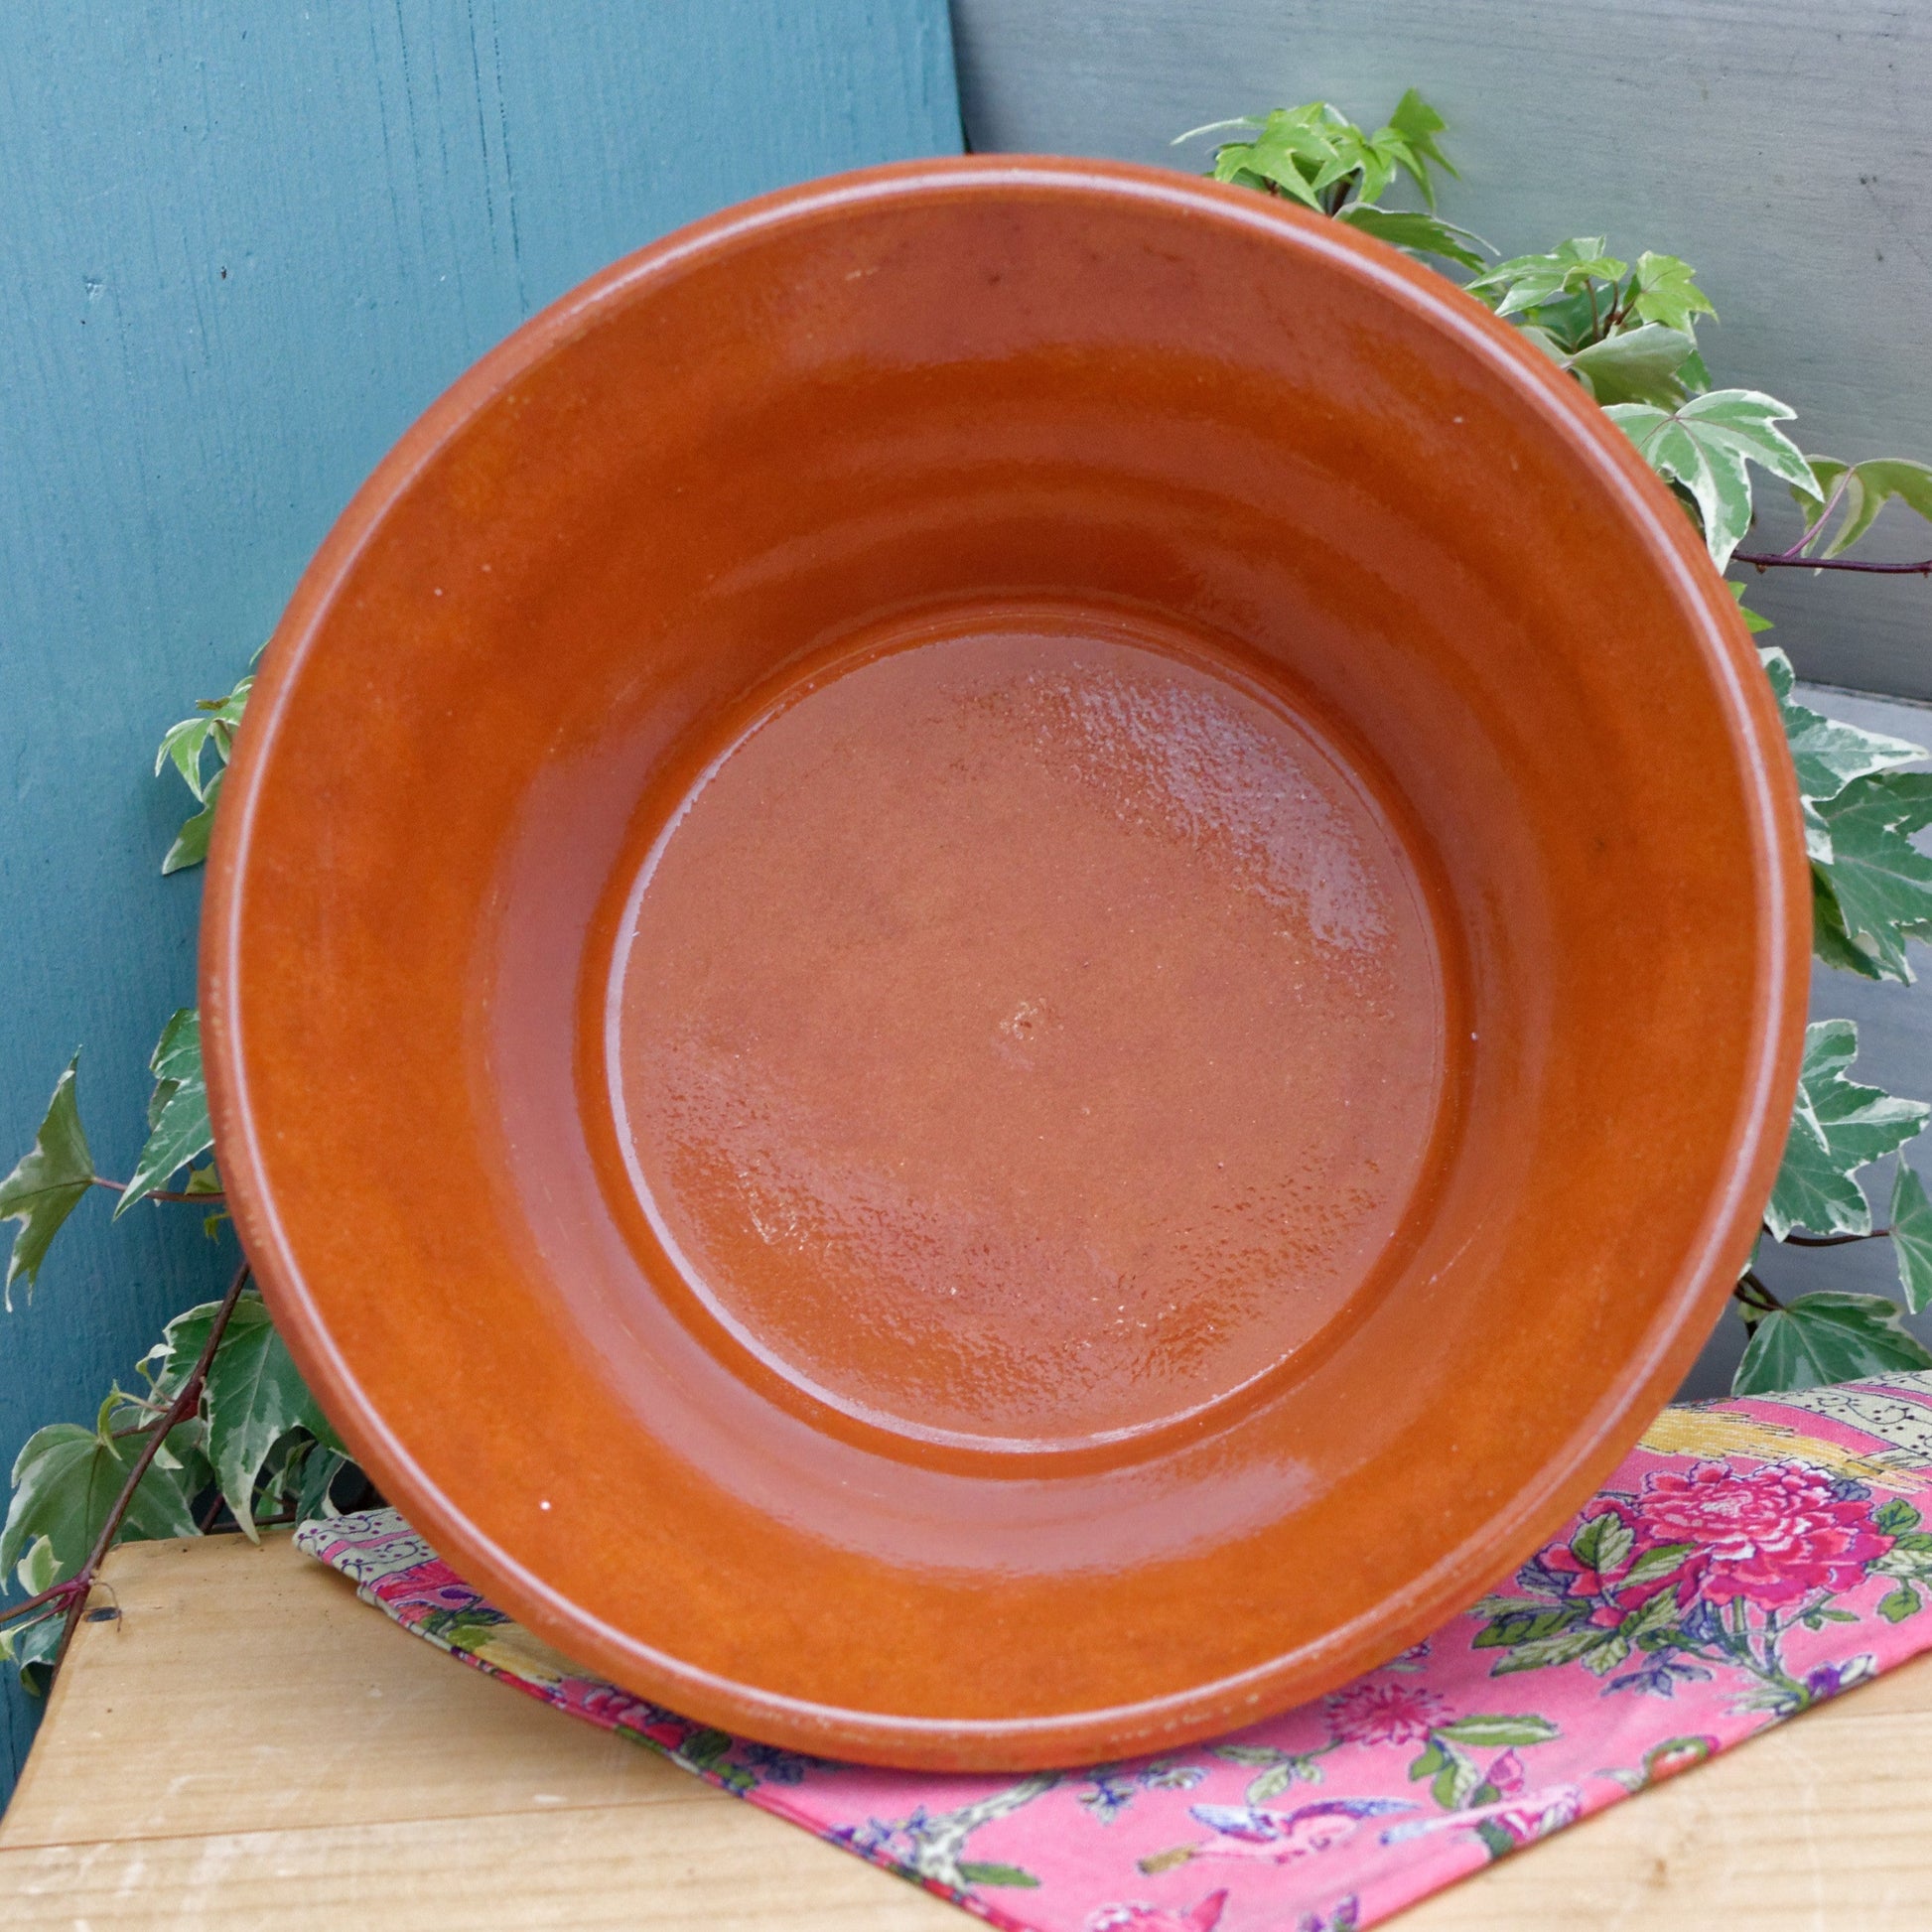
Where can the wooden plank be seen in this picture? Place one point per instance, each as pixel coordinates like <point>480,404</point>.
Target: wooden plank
<point>1779,147</point>
<point>285,1701</point>
<point>723,1868</point>
<point>250,1745</point>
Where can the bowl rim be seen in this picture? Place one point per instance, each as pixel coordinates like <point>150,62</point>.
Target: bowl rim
<point>1596,1443</point>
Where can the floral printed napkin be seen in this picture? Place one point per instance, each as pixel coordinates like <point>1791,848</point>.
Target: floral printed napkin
<point>1748,1559</point>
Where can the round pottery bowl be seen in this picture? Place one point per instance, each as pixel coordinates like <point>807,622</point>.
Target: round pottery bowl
<point>1001,960</point>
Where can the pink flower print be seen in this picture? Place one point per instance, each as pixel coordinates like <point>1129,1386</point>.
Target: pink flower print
<point>1203,1917</point>
<point>1774,1537</point>
<point>1366,1713</point>
<point>1538,1815</point>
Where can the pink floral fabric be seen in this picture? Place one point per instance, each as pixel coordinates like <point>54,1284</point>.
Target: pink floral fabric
<point>1748,1560</point>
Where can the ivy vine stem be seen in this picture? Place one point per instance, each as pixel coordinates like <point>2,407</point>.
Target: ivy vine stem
<point>1764,560</point>
<point>187,1398</point>
<point>162,1193</point>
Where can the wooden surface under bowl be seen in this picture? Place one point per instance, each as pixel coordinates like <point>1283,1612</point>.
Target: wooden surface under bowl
<point>1001,959</point>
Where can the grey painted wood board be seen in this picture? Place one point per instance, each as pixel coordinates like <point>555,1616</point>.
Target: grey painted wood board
<point>1784,148</point>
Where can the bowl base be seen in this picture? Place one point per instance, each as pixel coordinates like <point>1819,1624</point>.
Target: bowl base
<point>1028,1030</point>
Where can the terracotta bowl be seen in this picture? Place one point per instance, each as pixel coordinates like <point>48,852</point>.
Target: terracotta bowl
<point>1002,959</point>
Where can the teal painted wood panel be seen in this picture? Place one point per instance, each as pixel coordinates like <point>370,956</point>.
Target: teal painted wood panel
<point>243,248</point>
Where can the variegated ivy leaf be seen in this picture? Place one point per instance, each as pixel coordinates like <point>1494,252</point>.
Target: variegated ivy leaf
<point>1635,366</point>
<point>178,1118</point>
<point>1706,443</point>
<point>48,1184</point>
<point>1827,1338</point>
<point>1829,754</point>
<point>1879,882</point>
<point>1837,1128</point>
<point>253,1395</point>
<point>1911,1237</point>
<point>66,1480</point>
<point>1856,493</point>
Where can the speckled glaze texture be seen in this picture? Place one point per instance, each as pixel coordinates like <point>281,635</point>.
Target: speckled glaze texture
<point>1031,925</point>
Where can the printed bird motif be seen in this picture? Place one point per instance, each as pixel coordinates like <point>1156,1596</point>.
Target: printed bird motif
<point>1203,1917</point>
<point>1526,1816</point>
<point>1275,1837</point>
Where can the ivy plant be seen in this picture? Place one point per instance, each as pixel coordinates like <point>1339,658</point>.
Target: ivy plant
<point>220,1431</point>
<point>1625,329</point>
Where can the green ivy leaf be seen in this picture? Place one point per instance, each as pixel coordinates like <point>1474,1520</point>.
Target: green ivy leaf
<point>1528,282</point>
<point>1837,1128</point>
<point>178,1113</point>
<point>1706,443</point>
<point>191,842</point>
<point>1869,488</point>
<point>1824,1338</point>
<point>1911,1237</point>
<point>48,1184</point>
<point>1302,152</point>
<point>1293,153</point>
<point>1753,622</point>
<point>67,1478</point>
<point>1410,135</point>
<point>1424,234</point>
<point>1880,883</point>
<point>1498,1733</point>
<point>1635,366</point>
<point>254,1396</point>
<point>1665,291</point>
<point>186,745</point>
<point>31,1646</point>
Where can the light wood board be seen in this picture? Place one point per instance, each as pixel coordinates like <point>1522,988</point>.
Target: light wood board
<point>247,1744</point>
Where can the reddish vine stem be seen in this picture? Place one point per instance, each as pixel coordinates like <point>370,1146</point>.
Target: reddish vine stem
<point>1764,559</point>
<point>187,1400</point>
<point>162,1193</point>
<point>1796,1240</point>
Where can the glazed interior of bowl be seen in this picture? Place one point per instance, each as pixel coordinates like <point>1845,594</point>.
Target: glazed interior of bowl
<point>1000,958</point>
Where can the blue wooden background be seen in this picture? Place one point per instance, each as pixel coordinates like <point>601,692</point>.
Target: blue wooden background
<point>244,246</point>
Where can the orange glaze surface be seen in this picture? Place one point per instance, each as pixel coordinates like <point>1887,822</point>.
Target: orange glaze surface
<point>1085,1098</point>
